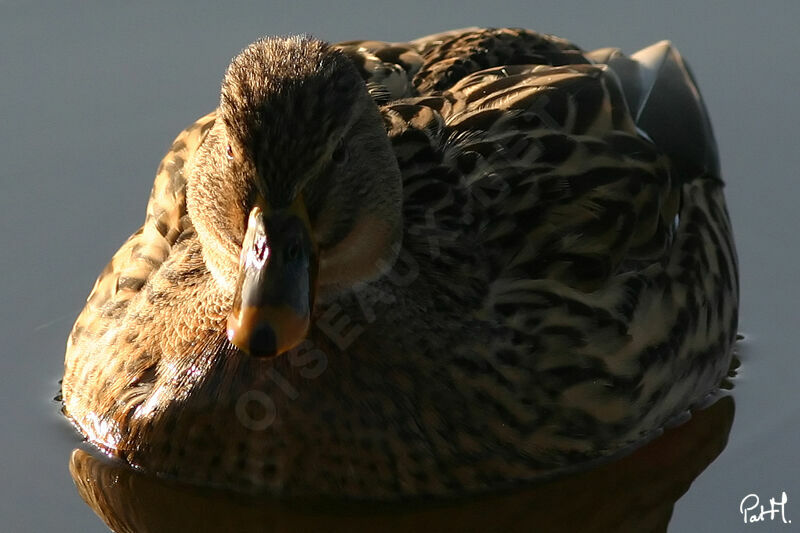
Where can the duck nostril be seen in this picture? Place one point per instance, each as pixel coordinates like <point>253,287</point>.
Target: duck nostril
<point>261,249</point>
<point>293,250</point>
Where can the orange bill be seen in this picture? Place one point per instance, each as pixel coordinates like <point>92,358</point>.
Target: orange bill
<point>277,281</point>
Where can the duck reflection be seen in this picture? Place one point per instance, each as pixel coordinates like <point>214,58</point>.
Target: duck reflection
<point>634,493</point>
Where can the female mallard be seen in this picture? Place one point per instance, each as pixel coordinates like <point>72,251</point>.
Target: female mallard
<point>479,257</point>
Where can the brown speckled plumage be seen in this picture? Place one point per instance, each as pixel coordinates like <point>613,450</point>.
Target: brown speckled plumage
<point>556,278</point>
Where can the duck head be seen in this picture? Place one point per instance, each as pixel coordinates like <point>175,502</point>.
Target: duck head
<point>295,193</point>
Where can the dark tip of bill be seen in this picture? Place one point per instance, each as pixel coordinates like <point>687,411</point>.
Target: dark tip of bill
<point>263,342</point>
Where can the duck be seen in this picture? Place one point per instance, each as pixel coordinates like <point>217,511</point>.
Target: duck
<point>381,271</point>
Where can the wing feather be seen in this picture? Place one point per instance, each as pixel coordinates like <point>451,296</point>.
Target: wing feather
<point>146,250</point>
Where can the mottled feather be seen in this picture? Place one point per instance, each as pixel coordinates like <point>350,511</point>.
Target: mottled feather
<point>566,286</point>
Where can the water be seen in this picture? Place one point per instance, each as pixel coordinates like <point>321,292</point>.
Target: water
<point>91,96</point>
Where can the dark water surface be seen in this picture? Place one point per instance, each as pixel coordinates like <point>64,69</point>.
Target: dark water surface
<point>91,94</point>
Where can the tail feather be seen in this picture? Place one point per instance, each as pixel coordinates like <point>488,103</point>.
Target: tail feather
<point>666,105</point>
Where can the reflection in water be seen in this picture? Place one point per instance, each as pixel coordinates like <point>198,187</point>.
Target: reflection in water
<point>635,493</point>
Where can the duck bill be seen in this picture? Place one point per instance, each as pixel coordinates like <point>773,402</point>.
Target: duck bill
<point>277,281</point>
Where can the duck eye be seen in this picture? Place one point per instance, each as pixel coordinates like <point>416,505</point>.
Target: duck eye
<point>229,151</point>
<point>340,153</point>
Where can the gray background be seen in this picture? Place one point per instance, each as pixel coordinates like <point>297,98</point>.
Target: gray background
<point>92,93</point>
